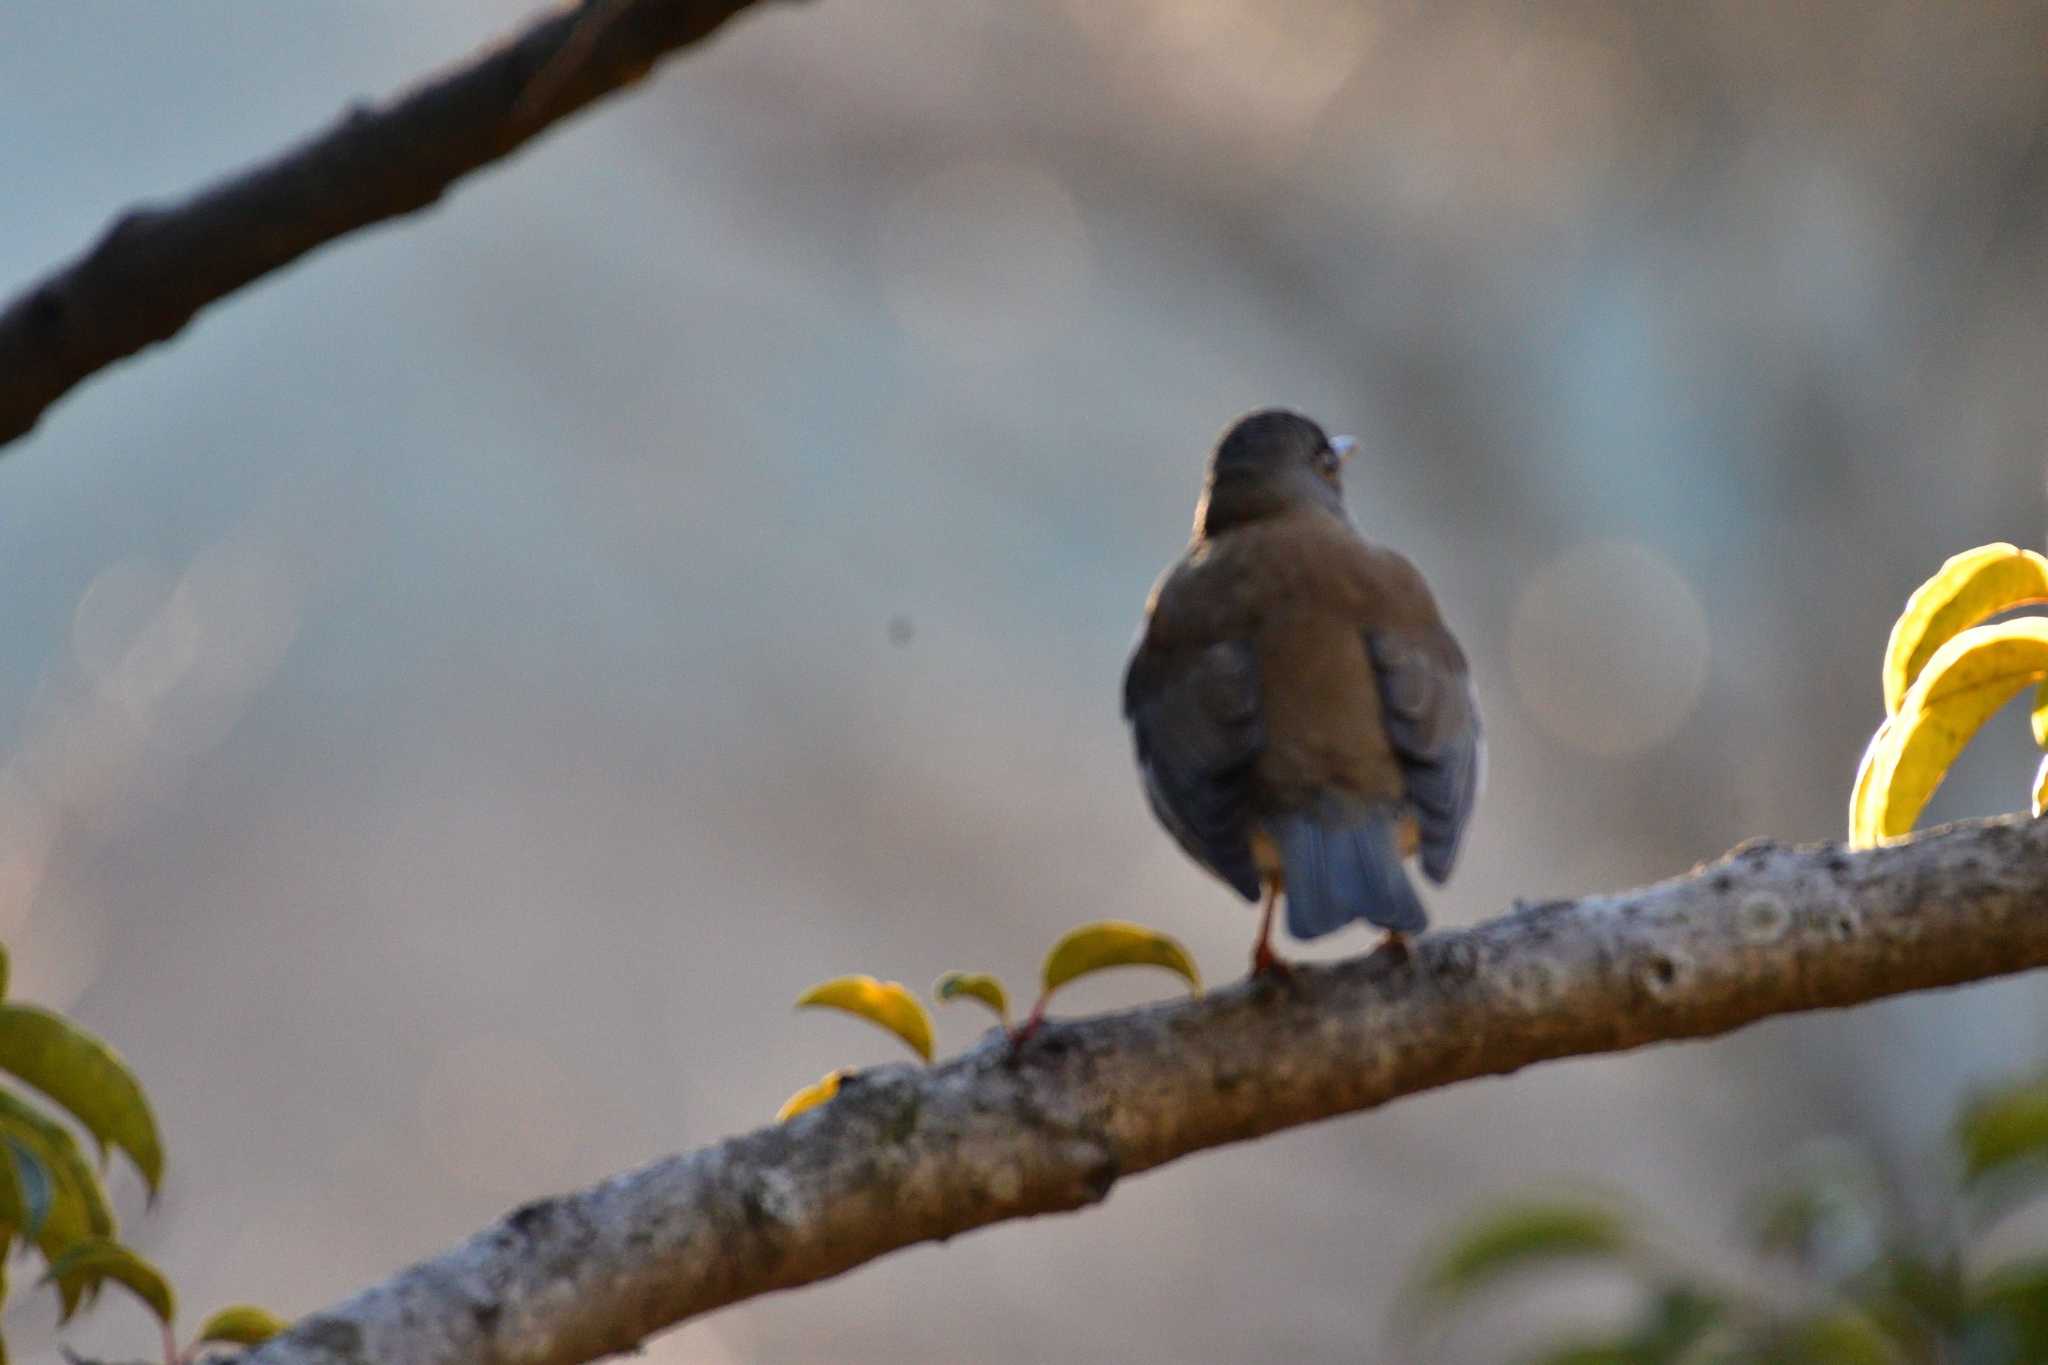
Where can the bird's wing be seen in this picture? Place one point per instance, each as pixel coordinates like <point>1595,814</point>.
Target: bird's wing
<point>1194,714</point>
<point>1432,724</point>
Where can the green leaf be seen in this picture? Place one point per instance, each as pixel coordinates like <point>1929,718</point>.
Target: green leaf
<point>1965,682</point>
<point>975,986</point>
<point>1592,1353</point>
<point>85,1076</point>
<point>1114,943</point>
<point>1915,1293</point>
<point>242,1324</point>
<point>74,1182</point>
<point>29,1188</point>
<point>2011,1308</point>
<point>1518,1237</point>
<point>99,1259</point>
<point>2003,1128</point>
<point>1844,1338</point>
<point>1971,587</point>
<point>1620,1352</point>
<point>1826,1212</point>
<point>811,1096</point>
<point>883,1003</point>
<point>78,1210</point>
<point>1680,1320</point>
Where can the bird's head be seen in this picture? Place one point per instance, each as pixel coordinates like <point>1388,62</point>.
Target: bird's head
<point>1269,463</point>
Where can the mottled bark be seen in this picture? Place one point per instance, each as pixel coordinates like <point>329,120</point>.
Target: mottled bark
<point>909,1154</point>
<point>155,267</point>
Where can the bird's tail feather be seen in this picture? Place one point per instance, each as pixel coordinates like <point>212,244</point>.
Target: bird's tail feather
<point>1343,866</point>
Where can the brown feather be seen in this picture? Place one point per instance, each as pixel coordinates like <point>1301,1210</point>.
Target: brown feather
<point>1302,587</point>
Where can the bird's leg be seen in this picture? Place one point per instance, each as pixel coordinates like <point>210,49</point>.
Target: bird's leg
<point>1394,945</point>
<point>1264,959</point>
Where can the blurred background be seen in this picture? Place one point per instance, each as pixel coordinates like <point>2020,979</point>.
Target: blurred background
<point>455,695</point>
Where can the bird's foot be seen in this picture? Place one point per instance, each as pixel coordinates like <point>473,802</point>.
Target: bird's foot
<point>1395,945</point>
<point>1270,965</point>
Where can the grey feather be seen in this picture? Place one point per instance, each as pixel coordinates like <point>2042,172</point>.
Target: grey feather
<point>1432,722</point>
<point>1195,721</point>
<point>1344,863</point>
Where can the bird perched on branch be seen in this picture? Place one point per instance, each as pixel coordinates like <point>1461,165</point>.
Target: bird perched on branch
<point>1304,721</point>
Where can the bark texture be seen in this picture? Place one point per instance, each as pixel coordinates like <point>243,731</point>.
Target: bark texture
<point>908,1154</point>
<point>157,266</point>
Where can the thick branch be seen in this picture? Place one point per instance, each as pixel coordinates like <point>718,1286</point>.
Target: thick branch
<point>908,1155</point>
<point>155,267</point>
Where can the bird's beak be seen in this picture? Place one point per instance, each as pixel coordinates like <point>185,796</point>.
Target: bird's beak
<point>1345,446</point>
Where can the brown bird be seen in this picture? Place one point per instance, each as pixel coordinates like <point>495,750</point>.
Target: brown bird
<point>1303,719</point>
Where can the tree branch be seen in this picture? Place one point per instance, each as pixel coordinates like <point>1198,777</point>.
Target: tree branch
<point>909,1154</point>
<point>156,267</point>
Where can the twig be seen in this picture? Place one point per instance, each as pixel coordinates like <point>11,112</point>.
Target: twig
<point>156,267</point>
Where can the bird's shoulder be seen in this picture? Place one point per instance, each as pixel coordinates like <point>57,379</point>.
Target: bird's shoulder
<point>1231,584</point>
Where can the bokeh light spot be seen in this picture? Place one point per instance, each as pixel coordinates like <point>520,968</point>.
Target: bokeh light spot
<point>1254,73</point>
<point>1608,648</point>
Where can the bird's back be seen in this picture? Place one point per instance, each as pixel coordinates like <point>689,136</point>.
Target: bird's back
<point>1303,590</point>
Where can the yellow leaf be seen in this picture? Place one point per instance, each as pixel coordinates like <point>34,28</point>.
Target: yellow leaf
<point>2041,787</point>
<point>884,1003</point>
<point>1969,588</point>
<point>1113,943</point>
<point>1863,830</point>
<point>1965,682</point>
<point>810,1097</point>
<point>87,1077</point>
<point>101,1258</point>
<point>2040,716</point>
<point>243,1324</point>
<point>976,986</point>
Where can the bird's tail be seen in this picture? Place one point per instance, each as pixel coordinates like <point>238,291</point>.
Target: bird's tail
<point>1343,865</point>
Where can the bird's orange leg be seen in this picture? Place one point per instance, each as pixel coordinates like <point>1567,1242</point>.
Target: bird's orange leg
<point>1264,959</point>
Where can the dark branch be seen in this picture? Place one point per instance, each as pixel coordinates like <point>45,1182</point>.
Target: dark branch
<point>156,267</point>
<point>907,1155</point>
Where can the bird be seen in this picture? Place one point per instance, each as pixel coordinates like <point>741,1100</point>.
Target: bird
<point>1304,720</point>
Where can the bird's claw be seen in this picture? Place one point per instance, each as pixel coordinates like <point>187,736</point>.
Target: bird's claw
<point>1270,965</point>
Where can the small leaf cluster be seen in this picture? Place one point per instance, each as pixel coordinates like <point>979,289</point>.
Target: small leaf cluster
<point>54,1199</point>
<point>1831,1270</point>
<point>1945,674</point>
<point>891,1006</point>
<point>51,1195</point>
